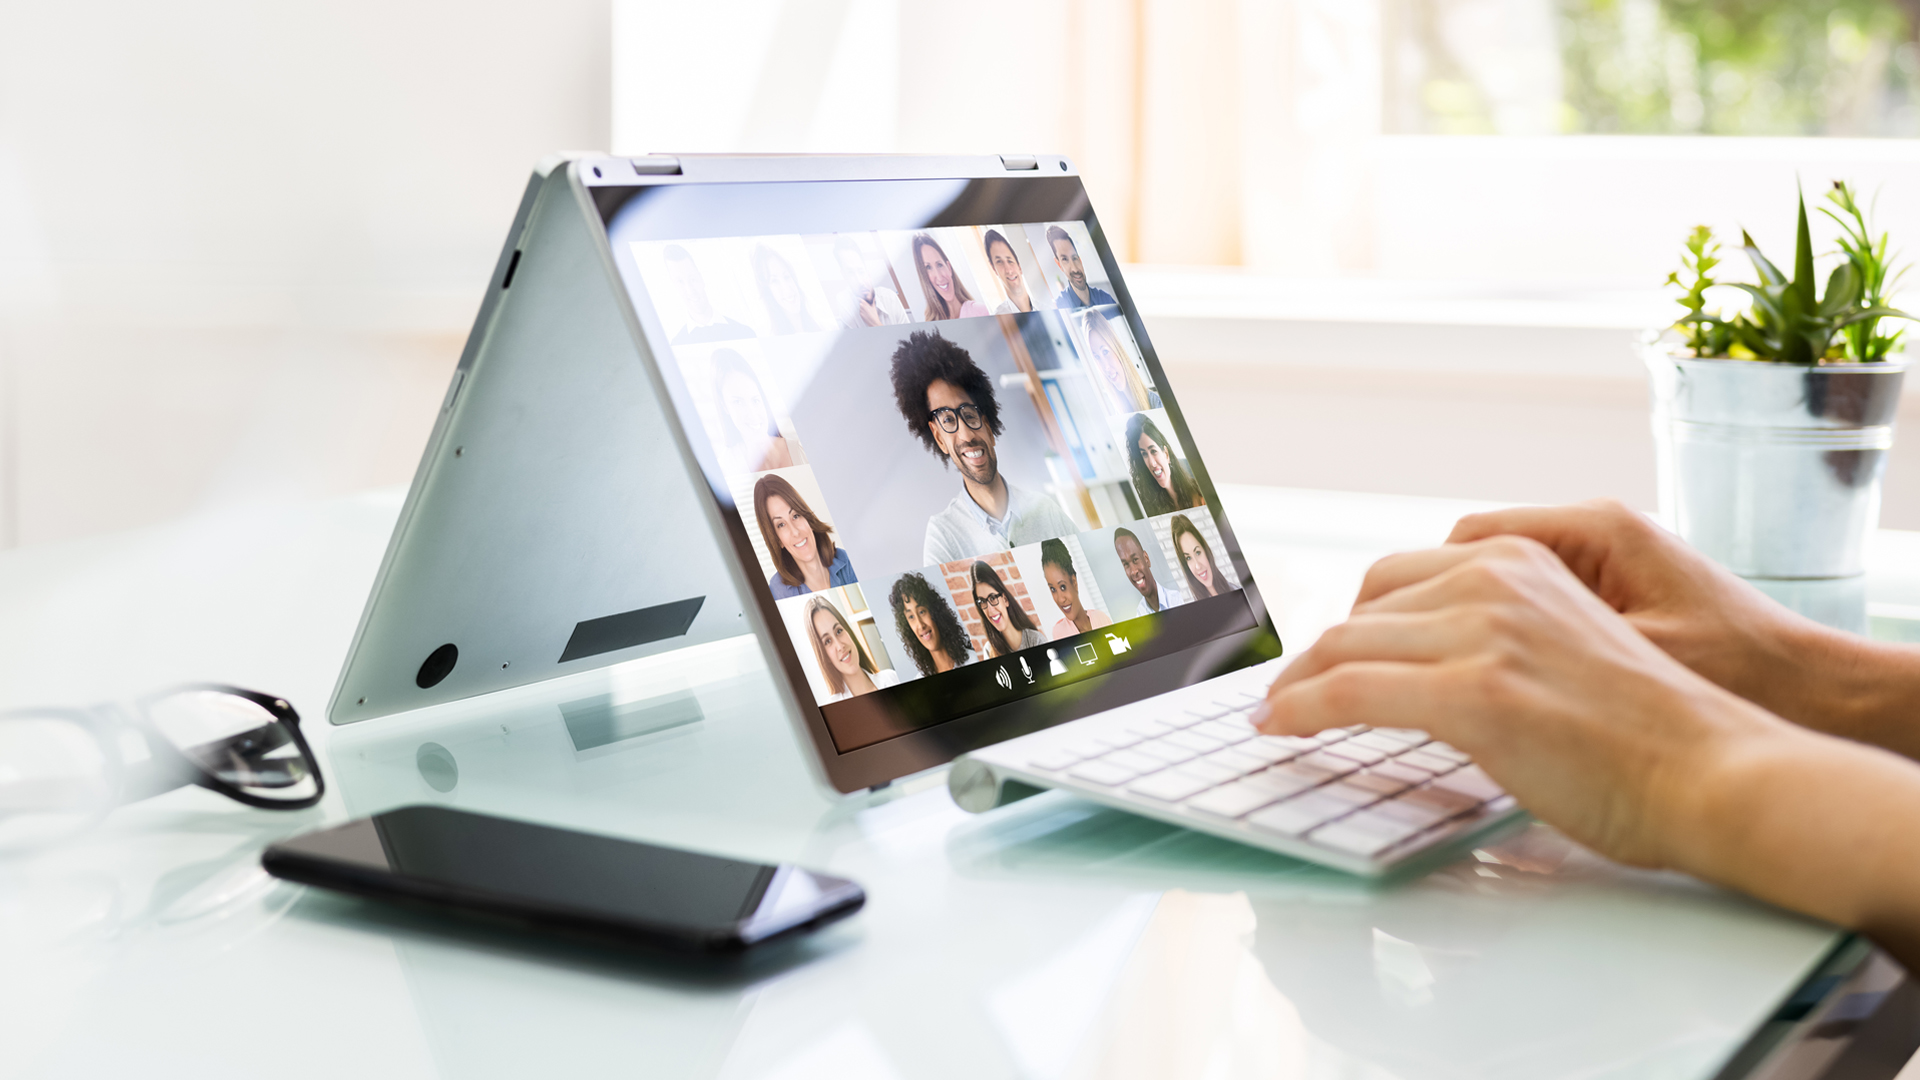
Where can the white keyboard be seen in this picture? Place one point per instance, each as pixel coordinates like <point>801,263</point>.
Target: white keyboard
<point>1363,800</point>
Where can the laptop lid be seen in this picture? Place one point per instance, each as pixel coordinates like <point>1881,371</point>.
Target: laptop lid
<point>937,439</point>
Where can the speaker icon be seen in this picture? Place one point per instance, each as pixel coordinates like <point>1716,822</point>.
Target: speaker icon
<point>1005,680</point>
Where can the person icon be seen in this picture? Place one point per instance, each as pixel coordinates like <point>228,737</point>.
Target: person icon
<point>704,321</point>
<point>1054,666</point>
<point>1078,293</point>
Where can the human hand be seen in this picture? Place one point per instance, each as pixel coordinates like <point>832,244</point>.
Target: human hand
<point>1695,610</point>
<point>1496,647</point>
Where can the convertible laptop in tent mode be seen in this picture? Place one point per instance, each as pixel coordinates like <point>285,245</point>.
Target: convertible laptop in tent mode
<point>899,419</point>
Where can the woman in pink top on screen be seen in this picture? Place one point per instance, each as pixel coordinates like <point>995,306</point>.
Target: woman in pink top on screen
<point>1063,584</point>
<point>947,295</point>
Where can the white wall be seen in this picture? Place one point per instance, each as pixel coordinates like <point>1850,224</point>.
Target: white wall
<point>240,244</point>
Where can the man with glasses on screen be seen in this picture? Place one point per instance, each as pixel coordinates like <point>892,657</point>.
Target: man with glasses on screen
<point>949,405</point>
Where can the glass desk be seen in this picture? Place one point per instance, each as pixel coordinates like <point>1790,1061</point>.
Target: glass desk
<point>1051,938</point>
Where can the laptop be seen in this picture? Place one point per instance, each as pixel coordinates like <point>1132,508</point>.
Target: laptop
<point>899,419</point>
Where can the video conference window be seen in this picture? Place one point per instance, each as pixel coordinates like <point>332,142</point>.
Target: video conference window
<point>944,444</point>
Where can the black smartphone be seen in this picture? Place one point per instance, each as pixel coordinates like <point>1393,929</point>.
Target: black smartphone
<point>556,879</point>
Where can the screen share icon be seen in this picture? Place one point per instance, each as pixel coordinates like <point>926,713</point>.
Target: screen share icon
<point>1084,653</point>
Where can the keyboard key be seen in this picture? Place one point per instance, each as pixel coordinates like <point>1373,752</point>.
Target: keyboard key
<point>1286,781</point>
<point>1329,737</point>
<point>1149,728</point>
<point>1471,781</point>
<point>1194,741</point>
<point>1353,751</point>
<point>1381,741</point>
<point>1418,813</point>
<point>1180,720</point>
<point>1298,814</point>
<point>1170,786</point>
<point>1140,763</point>
<point>1234,800</point>
<point>1209,712</point>
<point>1448,803</point>
<point>1328,763</point>
<point>1384,783</point>
<point>1452,754</point>
<point>1104,773</point>
<point>1210,771</point>
<point>1355,795</point>
<point>1431,763</point>
<point>1392,769</point>
<point>1240,763</point>
<point>1406,736</point>
<point>1363,833</point>
<point>1117,738</point>
<point>1166,751</point>
<point>1229,733</point>
<point>1276,748</point>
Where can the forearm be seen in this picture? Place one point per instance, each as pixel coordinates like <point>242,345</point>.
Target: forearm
<point>1845,685</point>
<point>1814,824</point>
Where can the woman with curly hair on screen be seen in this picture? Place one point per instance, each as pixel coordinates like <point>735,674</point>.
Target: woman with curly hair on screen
<point>1160,478</point>
<point>927,623</point>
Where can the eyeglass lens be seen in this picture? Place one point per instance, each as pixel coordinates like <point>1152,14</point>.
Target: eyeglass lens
<point>236,739</point>
<point>950,419</point>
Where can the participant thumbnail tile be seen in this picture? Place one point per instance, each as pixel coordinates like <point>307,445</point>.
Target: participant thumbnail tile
<point>1133,568</point>
<point>1071,601</point>
<point>921,625</point>
<point>939,286</point>
<point>793,532</point>
<point>991,597</point>
<point>1193,543</point>
<point>1074,273</point>
<point>863,287</point>
<point>1157,464</point>
<point>742,411</point>
<point>1105,346</point>
<point>839,644</point>
<point>698,288</point>
<point>790,298</point>
<point>1007,270</point>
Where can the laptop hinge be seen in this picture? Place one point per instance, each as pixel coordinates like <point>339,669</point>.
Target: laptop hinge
<point>1019,162</point>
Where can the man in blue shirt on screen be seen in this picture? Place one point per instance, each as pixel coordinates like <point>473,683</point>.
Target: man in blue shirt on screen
<point>1077,294</point>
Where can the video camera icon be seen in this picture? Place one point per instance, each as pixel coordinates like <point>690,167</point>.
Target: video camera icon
<point>1117,644</point>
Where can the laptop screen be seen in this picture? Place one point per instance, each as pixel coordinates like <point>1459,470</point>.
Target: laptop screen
<point>931,410</point>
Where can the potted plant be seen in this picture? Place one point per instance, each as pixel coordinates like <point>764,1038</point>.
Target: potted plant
<point>1772,425</point>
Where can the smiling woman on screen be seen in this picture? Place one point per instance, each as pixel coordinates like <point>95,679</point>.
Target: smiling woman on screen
<point>1005,622</point>
<point>1159,477</point>
<point>844,662</point>
<point>927,623</point>
<point>947,295</point>
<point>750,439</point>
<point>800,543</point>
<point>1196,559</point>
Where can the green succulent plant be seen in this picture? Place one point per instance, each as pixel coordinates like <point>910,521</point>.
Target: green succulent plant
<point>1790,319</point>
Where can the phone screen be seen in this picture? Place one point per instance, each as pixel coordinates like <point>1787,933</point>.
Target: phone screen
<point>563,878</point>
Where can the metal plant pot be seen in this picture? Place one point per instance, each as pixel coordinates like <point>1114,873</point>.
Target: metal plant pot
<point>1773,470</point>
